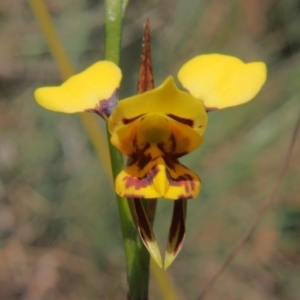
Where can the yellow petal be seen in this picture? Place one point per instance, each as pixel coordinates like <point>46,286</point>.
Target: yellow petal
<point>169,136</point>
<point>166,99</point>
<point>221,81</point>
<point>82,91</point>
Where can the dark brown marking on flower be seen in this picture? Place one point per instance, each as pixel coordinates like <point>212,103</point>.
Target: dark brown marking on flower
<point>185,180</point>
<point>143,161</point>
<point>127,121</point>
<point>142,182</point>
<point>208,109</point>
<point>133,196</point>
<point>145,79</point>
<point>180,154</point>
<point>185,197</point>
<point>170,162</point>
<point>185,121</point>
<point>177,228</point>
<point>171,141</point>
<point>161,147</point>
<point>143,223</point>
<point>170,155</point>
<point>139,156</point>
<point>143,236</point>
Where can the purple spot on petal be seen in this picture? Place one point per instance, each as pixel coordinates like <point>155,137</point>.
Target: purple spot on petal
<point>105,106</point>
<point>108,105</point>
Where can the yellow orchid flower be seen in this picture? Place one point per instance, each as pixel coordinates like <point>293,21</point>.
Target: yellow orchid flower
<point>155,128</point>
<point>159,126</point>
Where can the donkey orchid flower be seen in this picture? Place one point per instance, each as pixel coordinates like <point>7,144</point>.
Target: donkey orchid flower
<point>154,129</point>
<point>159,126</point>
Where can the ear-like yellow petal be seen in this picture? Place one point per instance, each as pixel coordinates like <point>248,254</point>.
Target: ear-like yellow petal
<point>221,81</point>
<point>166,99</point>
<point>83,91</point>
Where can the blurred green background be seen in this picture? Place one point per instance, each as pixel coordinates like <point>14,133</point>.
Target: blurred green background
<point>59,229</point>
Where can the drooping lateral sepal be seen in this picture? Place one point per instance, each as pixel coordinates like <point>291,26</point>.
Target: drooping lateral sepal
<point>145,230</point>
<point>176,232</point>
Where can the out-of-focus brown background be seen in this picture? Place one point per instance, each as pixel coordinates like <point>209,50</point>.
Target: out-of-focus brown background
<point>59,230</point>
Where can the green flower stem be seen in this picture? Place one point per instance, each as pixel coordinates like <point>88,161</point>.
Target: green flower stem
<point>137,257</point>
